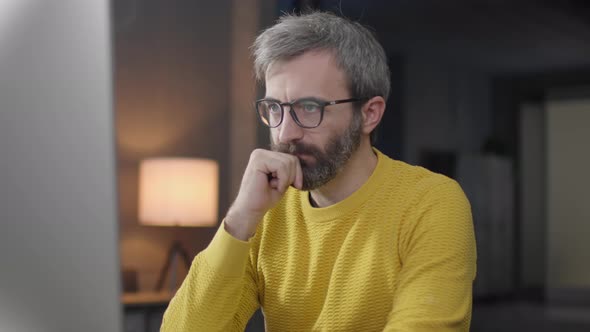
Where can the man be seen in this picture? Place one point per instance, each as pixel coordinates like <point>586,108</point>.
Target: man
<point>326,232</point>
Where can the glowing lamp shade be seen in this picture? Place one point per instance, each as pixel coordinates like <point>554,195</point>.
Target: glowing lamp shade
<point>178,192</point>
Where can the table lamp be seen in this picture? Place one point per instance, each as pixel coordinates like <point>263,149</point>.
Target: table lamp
<point>178,192</point>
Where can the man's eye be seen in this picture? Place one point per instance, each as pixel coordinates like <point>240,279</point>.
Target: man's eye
<point>274,108</point>
<point>310,108</point>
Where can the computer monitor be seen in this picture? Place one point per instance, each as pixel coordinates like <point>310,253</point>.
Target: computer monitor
<point>59,266</point>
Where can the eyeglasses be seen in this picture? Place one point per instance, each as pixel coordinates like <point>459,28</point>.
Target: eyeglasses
<point>307,112</point>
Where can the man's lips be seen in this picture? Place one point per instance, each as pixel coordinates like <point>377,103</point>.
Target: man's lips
<point>306,159</point>
<point>303,155</point>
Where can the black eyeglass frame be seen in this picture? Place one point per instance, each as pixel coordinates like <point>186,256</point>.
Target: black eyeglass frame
<point>321,103</point>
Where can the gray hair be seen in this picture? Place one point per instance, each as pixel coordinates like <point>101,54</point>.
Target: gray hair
<point>355,49</point>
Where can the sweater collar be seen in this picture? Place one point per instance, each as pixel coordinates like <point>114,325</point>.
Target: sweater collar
<point>350,203</point>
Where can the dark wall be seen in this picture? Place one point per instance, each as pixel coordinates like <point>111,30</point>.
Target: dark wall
<point>172,76</point>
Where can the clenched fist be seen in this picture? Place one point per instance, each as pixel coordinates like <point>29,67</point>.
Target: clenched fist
<point>267,177</point>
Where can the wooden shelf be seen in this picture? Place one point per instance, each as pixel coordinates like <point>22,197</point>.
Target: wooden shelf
<point>146,298</point>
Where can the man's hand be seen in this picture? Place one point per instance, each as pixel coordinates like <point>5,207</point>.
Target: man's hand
<point>267,177</point>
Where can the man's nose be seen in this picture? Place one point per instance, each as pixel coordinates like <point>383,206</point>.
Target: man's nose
<point>289,130</point>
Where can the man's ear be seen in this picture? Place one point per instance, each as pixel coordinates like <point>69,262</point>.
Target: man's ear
<point>372,113</point>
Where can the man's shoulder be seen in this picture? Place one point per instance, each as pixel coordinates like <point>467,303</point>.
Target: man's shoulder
<point>414,177</point>
<point>412,182</point>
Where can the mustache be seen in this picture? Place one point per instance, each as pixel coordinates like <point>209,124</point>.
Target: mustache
<point>294,148</point>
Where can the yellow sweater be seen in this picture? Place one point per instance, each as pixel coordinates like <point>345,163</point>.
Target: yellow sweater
<point>397,255</point>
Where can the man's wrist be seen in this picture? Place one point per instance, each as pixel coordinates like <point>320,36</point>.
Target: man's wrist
<point>241,227</point>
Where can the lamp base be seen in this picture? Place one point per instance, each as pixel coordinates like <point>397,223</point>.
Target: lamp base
<point>176,248</point>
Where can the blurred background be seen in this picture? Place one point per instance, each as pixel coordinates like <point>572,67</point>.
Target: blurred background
<point>495,94</point>
<point>491,93</point>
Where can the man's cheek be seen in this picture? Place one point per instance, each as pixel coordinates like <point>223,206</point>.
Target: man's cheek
<point>273,135</point>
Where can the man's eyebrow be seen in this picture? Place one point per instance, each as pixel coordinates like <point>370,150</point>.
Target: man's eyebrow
<point>271,99</point>
<point>314,98</point>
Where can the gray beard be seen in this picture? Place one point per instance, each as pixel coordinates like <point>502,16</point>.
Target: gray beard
<point>327,164</point>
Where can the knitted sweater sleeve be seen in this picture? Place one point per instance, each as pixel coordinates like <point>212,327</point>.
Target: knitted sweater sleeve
<point>437,251</point>
<point>219,292</point>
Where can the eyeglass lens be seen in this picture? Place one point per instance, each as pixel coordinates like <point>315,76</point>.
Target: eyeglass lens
<point>307,113</point>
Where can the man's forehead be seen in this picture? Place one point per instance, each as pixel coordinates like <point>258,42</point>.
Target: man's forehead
<point>308,74</point>
<point>313,60</point>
